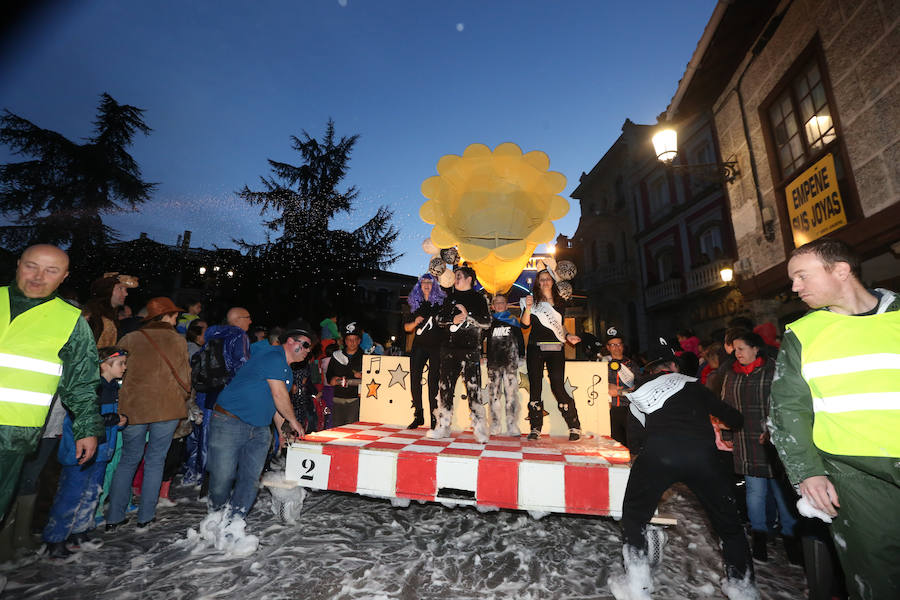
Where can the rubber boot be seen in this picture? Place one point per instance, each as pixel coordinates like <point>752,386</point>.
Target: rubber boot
<point>793,549</point>
<point>760,549</point>
<point>7,542</point>
<point>22,537</point>
<point>418,418</point>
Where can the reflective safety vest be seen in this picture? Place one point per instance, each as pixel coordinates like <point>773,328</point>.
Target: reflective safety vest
<point>852,367</point>
<point>30,366</point>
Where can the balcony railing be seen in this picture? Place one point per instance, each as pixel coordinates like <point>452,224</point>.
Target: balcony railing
<point>707,276</point>
<point>665,291</point>
<point>610,274</point>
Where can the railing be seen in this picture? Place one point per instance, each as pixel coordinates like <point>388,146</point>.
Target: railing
<point>665,291</point>
<point>707,276</point>
<point>609,274</point>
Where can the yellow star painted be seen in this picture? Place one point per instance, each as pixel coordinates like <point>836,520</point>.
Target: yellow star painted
<point>373,389</point>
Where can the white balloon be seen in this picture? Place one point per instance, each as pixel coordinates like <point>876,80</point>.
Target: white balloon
<point>429,247</point>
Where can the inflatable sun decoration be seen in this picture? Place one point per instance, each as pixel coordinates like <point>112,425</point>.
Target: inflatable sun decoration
<point>495,208</point>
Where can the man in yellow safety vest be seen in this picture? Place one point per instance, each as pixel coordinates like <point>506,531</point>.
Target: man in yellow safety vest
<point>45,346</point>
<point>835,412</point>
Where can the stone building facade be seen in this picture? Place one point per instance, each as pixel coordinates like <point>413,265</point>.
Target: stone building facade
<point>809,106</point>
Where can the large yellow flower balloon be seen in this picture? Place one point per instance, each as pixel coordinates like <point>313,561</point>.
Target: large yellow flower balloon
<point>495,207</point>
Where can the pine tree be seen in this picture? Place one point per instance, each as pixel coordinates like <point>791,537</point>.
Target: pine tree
<point>308,262</point>
<point>59,195</point>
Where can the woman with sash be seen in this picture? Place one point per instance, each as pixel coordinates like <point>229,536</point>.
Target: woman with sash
<point>542,313</point>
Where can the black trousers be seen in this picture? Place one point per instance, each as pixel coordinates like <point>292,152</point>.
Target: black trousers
<point>453,362</point>
<point>416,366</point>
<point>665,461</point>
<point>535,359</point>
<point>618,419</point>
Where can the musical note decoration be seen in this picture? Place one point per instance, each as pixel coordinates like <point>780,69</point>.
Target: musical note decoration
<point>593,394</point>
<point>374,362</point>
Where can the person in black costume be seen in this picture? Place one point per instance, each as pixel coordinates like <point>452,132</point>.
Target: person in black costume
<point>543,314</point>
<point>680,446</point>
<point>425,301</point>
<point>465,316</point>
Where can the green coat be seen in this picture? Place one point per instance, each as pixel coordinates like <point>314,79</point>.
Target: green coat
<point>77,386</point>
<point>791,410</point>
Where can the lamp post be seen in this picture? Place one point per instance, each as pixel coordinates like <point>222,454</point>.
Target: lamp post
<point>665,143</point>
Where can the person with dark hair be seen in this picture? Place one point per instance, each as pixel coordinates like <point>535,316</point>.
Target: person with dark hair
<point>620,373</point>
<point>465,315</point>
<point>77,495</point>
<point>240,433</point>
<point>835,412</point>
<point>344,374</point>
<point>543,314</point>
<point>194,307</point>
<point>108,293</point>
<point>674,410</point>
<point>746,387</point>
<point>425,301</point>
<point>195,335</point>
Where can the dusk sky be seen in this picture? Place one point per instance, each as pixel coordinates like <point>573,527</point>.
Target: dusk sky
<point>225,84</point>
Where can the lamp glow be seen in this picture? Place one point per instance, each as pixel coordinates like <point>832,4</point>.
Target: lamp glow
<point>665,144</point>
<point>203,270</point>
<point>727,274</point>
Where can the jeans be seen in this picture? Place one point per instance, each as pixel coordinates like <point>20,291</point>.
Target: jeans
<point>134,438</point>
<point>757,489</point>
<point>237,454</point>
<point>76,500</point>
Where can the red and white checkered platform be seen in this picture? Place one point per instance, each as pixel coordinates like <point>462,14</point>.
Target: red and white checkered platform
<point>548,475</point>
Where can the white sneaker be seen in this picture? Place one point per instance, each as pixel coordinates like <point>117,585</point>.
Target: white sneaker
<point>438,433</point>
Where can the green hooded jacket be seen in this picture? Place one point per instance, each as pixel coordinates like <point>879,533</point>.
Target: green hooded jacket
<point>77,387</point>
<point>791,412</point>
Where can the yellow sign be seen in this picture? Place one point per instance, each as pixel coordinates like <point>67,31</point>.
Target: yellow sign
<point>814,202</point>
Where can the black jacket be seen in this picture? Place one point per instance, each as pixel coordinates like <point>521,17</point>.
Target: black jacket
<point>466,335</point>
<point>505,344</point>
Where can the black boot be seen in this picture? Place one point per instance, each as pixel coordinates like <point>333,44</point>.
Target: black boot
<point>793,549</point>
<point>760,551</point>
<point>418,419</point>
<point>58,550</point>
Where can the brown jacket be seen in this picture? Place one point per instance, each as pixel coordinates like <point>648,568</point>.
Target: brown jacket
<point>150,393</point>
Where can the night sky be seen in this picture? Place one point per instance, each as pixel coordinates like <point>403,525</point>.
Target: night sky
<point>226,83</point>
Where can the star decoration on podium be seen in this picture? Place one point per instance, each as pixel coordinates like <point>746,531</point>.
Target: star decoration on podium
<point>570,389</point>
<point>373,389</point>
<point>398,376</point>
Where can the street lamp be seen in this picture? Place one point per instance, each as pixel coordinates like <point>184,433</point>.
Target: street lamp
<point>230,273</point>
<point>665,144</point>
<point>203,270</point>
<point>727,274</point>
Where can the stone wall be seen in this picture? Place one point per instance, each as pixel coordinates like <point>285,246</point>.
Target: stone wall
<point>861,43</point>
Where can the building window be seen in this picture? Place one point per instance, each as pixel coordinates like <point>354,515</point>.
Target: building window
<point>802,132</point>
<point>665,263</point>
<point>801,120</point>
<point>659,200</point>
<point>710,244</point>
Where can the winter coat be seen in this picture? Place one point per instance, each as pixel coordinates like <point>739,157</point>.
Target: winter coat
<point>792,405</point>
<point>150,393</point>
<point>750,395</point>
<point>108,398</point>
<point>77,386</point>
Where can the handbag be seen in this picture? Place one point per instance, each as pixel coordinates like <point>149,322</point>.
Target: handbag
<point>183,385</point>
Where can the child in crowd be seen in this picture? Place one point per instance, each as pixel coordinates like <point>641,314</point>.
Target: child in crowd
<point>72,513</point>
<point>505,349</point>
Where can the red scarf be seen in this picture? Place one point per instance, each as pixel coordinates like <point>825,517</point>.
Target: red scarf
<point>747,369</point>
